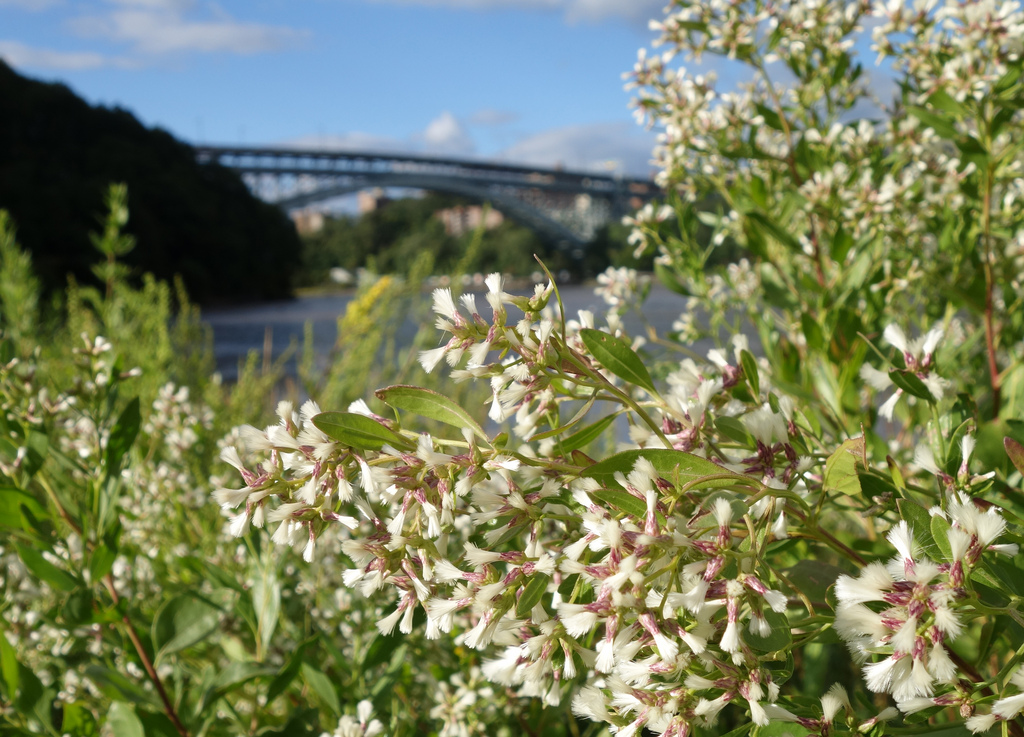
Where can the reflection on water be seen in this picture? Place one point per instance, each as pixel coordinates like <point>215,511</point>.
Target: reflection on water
<point>275,326</point>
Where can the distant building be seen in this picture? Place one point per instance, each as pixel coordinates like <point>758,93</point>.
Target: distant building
<point>307,221</point>
<point>466,218</point>
<point>371,199</point>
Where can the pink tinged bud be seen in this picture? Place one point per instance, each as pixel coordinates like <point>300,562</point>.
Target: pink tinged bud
<point>667,648</point>
<point>714,566</point>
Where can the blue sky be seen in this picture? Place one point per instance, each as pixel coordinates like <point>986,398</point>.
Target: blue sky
<point>536,81</point>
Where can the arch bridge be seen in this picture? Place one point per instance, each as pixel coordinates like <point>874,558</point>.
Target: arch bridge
<point>567,207</point>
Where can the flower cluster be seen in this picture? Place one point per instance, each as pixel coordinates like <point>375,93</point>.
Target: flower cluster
<point>909,609</point>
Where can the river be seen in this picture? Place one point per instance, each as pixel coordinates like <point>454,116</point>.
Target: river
<point>273,327</point>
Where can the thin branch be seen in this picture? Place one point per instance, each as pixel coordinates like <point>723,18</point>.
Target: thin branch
<point>133,635</point>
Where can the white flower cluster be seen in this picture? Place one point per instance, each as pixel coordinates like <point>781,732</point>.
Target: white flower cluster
<point>909,608</point>
<point>629,582</point>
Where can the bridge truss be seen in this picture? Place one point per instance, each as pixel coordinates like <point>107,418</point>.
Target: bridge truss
<point>567,207</point>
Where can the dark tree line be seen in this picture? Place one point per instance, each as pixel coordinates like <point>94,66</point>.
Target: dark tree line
<point>58,155</point>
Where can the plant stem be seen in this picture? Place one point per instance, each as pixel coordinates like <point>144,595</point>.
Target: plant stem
<point>133,635</point>
<point>815,532</point>
<point>990,331</point>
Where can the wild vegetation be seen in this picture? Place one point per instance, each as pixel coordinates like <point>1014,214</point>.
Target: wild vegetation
<point>814,528</point>
<point>388,241</point>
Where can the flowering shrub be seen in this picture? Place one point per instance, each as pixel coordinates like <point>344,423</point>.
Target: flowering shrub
<point>812,528</point>
<point>674,542</point>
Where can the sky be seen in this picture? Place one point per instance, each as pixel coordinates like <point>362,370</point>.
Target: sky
<point>527,81</point>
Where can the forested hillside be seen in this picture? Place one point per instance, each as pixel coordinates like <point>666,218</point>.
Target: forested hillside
<point>58,154</point>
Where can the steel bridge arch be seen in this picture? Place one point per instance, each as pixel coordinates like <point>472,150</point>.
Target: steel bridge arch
<point>505,201</point>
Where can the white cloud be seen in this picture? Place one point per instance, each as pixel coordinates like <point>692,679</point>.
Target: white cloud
<point>167,26</point>
<point>574,10</point>
<point>492,116</point>
<point>445,135</point>
<point>595,10</point>
<point>22,56</point>
<point>598,147</point>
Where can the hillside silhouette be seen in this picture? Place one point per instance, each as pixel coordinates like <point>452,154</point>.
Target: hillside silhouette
<point>58,154</point>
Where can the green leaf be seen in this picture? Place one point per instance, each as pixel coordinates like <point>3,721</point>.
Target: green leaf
<point>973,151</point>
<point>895,473</point>
<point>782,729</point>
<point>182,622</point>
<point>562,428</point>
<point>771,118</point>
<point>841,468</point>
<point>920,524</point>
<point>78,608</point>
<point>778,639</point>
<point>118,687</point>
<point>320,684</point>
<point>813,577</point>
<point>12,501</point>
<point>671,465</point>
<point>669,279</point>
<point>101,562</point>
<point>586,435</point>
<point>122,436</point>
<point>842,242</point>
<point>955,454</point>
<point>380,649</point>
<point>266,602</point>
<point>739,731</point>
<point>1016,452</point>
<point>531,594</point>
<point>231,678</point>
<point>621,500</point>
<point>9,668</point>
<point>288,673</point>
<point>1008,80</point>
<point>943,128</point>
<point>1007,572</point>
<point>940,534</point>
<point>430,404</point>
<point>775,230</point>
<point>122,720</point>
<point>749,365</point>
<point>359,431</point>
<point>157,724</point>
<point>79,721</point>
<point>44,570</point>
<point>734,429</point>
<point>617,356</point>
<point>908,382</point>
<point>944,102</point>
<point>812,332</point>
